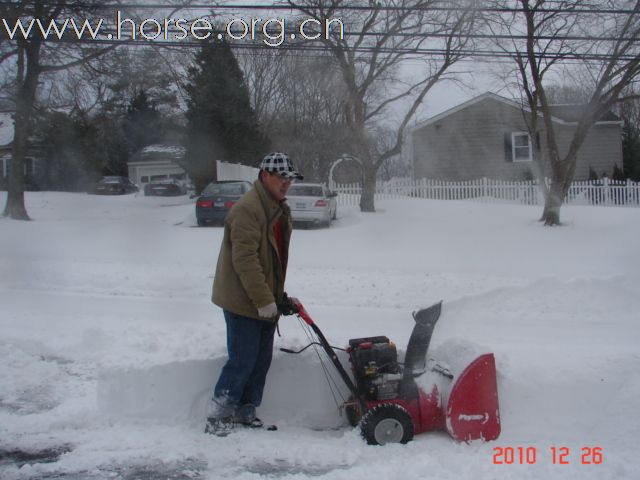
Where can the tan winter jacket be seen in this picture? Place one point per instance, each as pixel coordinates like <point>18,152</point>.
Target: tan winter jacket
<point>249,274</point>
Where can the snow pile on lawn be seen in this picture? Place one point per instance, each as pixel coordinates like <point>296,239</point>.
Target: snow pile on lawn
<point>110,346</point>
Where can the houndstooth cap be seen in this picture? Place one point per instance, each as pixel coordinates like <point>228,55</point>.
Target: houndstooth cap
<point>281,164</point>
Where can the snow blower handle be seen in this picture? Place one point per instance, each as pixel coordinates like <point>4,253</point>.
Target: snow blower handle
<point>299,310</point>
<point>288,305</point>
<point>293,306</point>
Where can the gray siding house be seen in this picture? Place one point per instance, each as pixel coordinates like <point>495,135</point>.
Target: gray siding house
<point>487,137</point>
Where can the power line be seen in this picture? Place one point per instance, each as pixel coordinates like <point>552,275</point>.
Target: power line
<point>367,8</point>
<point>419,51</point>
<point>488,36</point>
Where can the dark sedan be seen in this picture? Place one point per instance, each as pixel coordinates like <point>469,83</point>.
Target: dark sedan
<point>217,199</point>
<point>164,188</point>
<point>114,185</point>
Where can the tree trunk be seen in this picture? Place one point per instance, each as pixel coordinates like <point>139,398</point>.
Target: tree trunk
<point>27,83</point>
<point>552,204</point>
<point>367,197</point>
<point>555,197</point>
<point>14,208</point>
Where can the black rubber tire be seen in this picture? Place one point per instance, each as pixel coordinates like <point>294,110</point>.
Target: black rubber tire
<point>387,423</point>
<point>202,223</point>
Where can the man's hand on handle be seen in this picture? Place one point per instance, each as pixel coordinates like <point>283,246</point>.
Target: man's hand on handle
<point>268,311</point>
<point>287,307</point>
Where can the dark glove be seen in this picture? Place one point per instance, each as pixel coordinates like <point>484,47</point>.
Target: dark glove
<point>287,307</point>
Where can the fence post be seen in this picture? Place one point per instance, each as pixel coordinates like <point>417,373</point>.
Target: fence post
<point>606,190</point>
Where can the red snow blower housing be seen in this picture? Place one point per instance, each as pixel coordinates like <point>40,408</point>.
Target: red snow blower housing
<point>394,401</point>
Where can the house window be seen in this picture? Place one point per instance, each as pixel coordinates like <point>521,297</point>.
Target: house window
<point>29,167</point>
<point>520,147</point>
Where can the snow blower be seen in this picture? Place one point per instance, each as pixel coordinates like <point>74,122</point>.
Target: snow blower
<point>394,401</point>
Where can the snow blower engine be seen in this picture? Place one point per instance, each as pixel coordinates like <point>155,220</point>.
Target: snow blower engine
<point>393,401</point>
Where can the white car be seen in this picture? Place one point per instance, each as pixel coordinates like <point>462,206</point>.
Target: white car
<point>312,204</point>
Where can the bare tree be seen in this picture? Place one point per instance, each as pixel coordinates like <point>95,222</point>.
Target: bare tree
<point>299,97</point>
<point>629,112</point>
<point>599,44</point>
<point>263,71</point>
<point>34,56</point>
<point>379,36</point>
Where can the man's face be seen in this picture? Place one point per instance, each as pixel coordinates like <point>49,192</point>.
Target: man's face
<point>276,185</point>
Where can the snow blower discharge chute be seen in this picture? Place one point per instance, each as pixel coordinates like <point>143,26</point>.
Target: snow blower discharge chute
<point>392,402</point>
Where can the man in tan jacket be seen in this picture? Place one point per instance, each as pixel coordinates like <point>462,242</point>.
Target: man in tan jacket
<point>248,286</point>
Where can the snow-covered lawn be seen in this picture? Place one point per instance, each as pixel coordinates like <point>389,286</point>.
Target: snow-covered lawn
<point>109,345</point>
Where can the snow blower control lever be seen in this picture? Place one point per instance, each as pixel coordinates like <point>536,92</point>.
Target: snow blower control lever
<point>393,401</point>
<point>292,306</point>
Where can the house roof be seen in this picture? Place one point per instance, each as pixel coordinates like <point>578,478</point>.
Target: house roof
<point>572,113</point>
<point>560,113</point>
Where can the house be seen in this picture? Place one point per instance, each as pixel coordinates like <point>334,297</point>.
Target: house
<point>6,144</point>
<point>6,140</point>
<point>157,162</point>
<point>487,137</point>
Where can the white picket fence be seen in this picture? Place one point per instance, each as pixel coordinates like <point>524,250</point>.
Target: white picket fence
<point>600,192</point>
<point>235,171</point>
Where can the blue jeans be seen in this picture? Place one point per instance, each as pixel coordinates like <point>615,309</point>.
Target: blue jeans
<point>250,349</point>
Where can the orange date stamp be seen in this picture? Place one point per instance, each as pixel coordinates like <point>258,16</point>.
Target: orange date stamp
<point>556,455</point>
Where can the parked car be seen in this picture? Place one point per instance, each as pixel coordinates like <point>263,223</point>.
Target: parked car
<point>312,204</point>
<point>165,188</point>
<point>217,199</point>
<point>114,185</point>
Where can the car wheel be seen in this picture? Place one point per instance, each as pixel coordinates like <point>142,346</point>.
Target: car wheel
<point>387,423</point>
<point>335,214</point>
<point>202,223</point>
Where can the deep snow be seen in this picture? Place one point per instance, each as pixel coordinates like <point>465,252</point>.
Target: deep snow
<point>109,345</point>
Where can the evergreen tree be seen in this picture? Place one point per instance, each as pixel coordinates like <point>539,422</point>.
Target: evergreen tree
<point>142,124</point>
<point>618,174</point>
<point>72,152</point>
<point>114,142</point>
<point>221,123</point>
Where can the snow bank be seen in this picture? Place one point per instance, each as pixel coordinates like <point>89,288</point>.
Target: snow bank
<point>110,344</point>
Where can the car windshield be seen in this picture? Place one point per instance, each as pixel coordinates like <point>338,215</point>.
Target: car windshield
<point>305,191</point>
<point>224,189</point>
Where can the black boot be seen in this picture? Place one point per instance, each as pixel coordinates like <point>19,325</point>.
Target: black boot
<point>220,426</point>
<point>246,416</point>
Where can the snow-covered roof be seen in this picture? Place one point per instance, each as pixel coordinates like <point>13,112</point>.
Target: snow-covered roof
<point>160,152</point>
<point>566,114</point>
<point>160,148</point>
